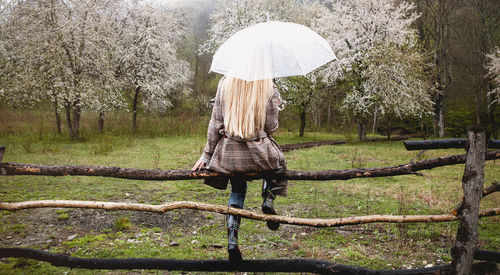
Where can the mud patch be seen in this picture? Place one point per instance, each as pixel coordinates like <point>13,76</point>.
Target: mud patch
<point>42,228</point>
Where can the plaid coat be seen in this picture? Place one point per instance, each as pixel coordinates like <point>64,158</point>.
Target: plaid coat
<point>232,155</point>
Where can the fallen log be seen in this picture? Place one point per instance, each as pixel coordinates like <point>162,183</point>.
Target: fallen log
<point>278,265</point>
<point>222,209</point>
<point>12,168</point>
<point>495,186</point>
<point>290,147</point>
<point>443,144</point>
<point>393,138</point>
<point>295,146</point>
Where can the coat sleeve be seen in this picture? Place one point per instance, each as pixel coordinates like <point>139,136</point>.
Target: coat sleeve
<point>216,123</point>
<point>272,112</point>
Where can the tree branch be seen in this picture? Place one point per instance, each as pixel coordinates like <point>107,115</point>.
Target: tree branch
<point>12,168</point>
<point>235,211</point>
<point>281,265</point>
<point>278,265</point>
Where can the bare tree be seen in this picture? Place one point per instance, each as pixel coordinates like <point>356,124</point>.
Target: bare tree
<point>434,32</point>
<point>487,21</point>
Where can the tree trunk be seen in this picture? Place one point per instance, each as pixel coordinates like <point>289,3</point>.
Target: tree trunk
<point>472,183</point>
<point>477,99</point>
<point>374,122</point>
<point>197,82</point>
<point>137,90</point>
<point>317,117</point>
<point>491,112</point>
<point>302,122</point>
<point>488,32</point>
<point>438,115</point>
<point>76,122</point>
<point>441,121</point>
<point>441,61</point>
<point>101,122</point>
<point>492,121</point>
<point>58,117</point>
<point>389,129</point>
<point>361,126</point>
<point>68,120</point>
<point>422,129</point>
<point>329,110</point>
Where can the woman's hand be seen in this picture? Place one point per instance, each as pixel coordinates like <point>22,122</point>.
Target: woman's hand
<point>199,164</point>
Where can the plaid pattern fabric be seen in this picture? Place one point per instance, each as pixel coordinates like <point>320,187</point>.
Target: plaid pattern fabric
<point>233,155</point>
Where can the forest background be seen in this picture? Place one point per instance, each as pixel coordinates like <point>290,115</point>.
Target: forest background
<point>126,83</point>
<point>427,67</point>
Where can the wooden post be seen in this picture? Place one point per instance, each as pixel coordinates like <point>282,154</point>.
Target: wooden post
<point>472,183</point>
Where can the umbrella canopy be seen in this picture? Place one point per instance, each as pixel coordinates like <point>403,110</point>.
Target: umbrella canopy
<point>270,50</point>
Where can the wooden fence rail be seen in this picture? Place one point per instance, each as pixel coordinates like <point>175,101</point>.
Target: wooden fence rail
<point>12,168</point>
<point>444,144</point>
<point>279,265</point>
<point>462,262</point>
<point>221,209</point>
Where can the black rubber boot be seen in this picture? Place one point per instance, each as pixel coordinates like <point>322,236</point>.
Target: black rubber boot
<point>233,224</point>
<point>268,208</point>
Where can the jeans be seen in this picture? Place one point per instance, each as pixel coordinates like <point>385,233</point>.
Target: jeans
<point>239,191</point>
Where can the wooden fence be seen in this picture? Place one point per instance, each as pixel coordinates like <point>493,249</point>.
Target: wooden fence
<point>467,212</point>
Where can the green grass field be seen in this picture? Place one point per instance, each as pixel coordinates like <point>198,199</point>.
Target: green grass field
<point>187,234</point>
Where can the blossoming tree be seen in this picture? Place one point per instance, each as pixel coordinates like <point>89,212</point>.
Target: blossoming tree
<point>363,34</point>
<point>82,55</point>
<point>232,16</point>
<point>148,60</point>
<point>57,51</point>
<point>493,68</point>
<point>377,50</point>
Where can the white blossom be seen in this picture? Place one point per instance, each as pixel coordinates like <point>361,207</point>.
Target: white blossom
<point>231,16</point>
<point>377,51</point>
<point>148,58</point>
<point>84,54</point>
<point>394,83</point>
<point>493,68</point>
<point>355,26</point>
<point>59,50</point>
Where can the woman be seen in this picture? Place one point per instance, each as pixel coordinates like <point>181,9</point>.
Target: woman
<point>244,116</point>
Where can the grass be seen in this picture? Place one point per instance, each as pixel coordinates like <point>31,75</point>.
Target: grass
<point>123,223</point>
<point>187,234</point>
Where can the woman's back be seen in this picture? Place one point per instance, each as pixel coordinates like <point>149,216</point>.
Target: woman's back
<point>229,153</point>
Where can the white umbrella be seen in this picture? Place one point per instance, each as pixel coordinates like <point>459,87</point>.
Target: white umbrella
<point>270,50</point>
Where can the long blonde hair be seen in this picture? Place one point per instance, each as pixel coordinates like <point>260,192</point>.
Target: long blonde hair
<point>245,105</point>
